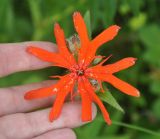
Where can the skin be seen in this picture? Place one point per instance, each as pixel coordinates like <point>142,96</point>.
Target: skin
<point>18,118</point>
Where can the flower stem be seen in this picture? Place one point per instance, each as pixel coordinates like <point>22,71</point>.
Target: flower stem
<point>136,128</point>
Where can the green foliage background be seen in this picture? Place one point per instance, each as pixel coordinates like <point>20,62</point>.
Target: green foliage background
<point>24,20</point>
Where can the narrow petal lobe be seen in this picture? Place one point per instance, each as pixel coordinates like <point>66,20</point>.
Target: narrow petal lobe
<point>123,86</point>
<point>40,93</point>
<point>95,98</point>
<point>113,68</point>
<point>102,38</point>
<point>86,102</point>
<point>105,36</point>
<point>120,65</point>
<point>81,29</point>
<point>61,42</point>
<point>48,56</point>
<point>64,89</point>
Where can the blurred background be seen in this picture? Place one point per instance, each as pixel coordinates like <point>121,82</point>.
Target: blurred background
<point>139,37</point>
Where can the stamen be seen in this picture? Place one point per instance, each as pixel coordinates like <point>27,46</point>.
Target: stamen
<point>101,87</point>
<point>80,72</point>
<point>100,64</point>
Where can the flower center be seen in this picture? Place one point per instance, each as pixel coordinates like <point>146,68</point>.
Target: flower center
<point>80,72</point>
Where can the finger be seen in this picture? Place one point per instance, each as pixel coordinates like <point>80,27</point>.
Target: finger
<point>30,125</point>
<point>65,133</point>
<point>14,57</point>
<point>12,99</point>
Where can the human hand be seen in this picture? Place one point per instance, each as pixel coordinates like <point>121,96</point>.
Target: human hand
<point>16,119</point>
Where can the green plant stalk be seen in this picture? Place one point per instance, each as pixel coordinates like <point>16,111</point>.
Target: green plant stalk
<point>136,128</point>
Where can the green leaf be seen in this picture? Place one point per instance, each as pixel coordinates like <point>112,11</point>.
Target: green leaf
<point>35,12</point>
<point>87,19</point>
<point>138,21</point>
<point>124,8</point>
<point>108,98</point>
<point>155,86</point>
<point>109,11</point>
<point>149,35</point>
<point>135,6</point>
<point>7,30</point>
<point>155,107</point>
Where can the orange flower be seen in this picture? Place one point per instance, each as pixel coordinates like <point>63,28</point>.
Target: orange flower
<point>81,70</point>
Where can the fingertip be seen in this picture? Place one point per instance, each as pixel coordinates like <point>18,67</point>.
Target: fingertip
<point>65,133</point>
<point>70,133</point>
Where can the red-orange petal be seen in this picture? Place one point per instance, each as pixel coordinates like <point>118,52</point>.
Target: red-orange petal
<point>81,29</point>
<point>107,35</point>
<point>95,98</point>
<point>102,38</point>
<point>61,42</point>
<point>117,83</point>
<point>64,89</point>
<point>120,65</point>
<point>122,86</point>
<point>115,67</point>
<point>47,56</point>
<point>86,102</point>
<point>40,93</point>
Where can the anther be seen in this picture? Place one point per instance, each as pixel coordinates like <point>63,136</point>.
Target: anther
<point>80,72</point>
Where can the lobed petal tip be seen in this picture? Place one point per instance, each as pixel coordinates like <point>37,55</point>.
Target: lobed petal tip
<point>56,25</point>
<point>57,28</point>
<point>138,94</point>
<point>132,60</point>
<point>29,48</point>
<point>108,121</point>
<point>117,27</point>
<point>76,16</point>
<point>51,119</point>
<point>52,116</point>
<point>27,97</point>
<point>76,13</point>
